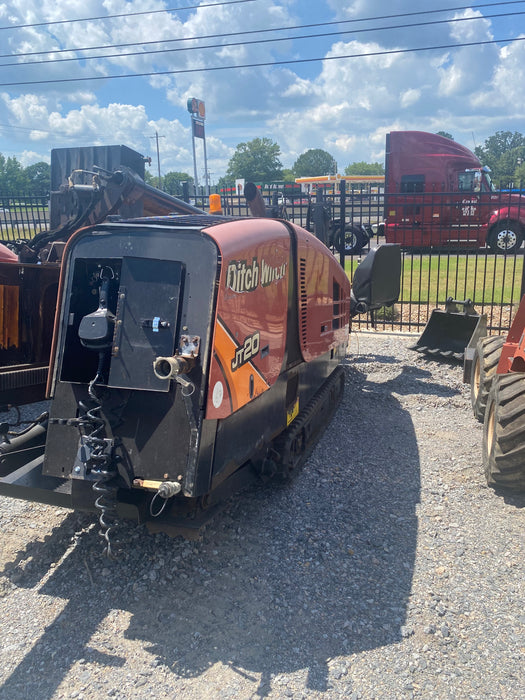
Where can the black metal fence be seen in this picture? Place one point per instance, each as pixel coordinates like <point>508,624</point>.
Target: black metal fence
<point>23,216</point>
<point>437,261</point>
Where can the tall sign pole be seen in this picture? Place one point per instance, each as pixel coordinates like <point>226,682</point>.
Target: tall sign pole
<point>158,155</point>
<point>194,158</point>
<point>197,110</point>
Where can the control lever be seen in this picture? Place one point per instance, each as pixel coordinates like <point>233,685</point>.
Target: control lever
<point>96,329</point>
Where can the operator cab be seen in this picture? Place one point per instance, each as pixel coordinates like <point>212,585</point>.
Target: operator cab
<point>475,180</point>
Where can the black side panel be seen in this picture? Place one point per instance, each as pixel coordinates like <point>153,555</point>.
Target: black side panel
<point>146,321</point>
<point>254,426</point>
<point>65,160</point>
<point>163,284</point>
<point>293,348</point>
<point>152,428</point>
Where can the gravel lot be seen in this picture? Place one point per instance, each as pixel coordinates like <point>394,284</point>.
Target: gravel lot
<point>386,569</point>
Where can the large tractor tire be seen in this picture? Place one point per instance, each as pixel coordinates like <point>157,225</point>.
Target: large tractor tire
<point>484,365</point>
<point>504,433</point>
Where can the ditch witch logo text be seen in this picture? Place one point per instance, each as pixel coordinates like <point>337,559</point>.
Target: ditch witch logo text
<point>244,277</point>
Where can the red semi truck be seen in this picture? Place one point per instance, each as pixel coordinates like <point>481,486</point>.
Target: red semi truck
<point>438,194</point>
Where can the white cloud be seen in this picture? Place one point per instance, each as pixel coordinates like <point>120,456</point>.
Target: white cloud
<point>115,123</point>
<point>345,105</point>
<point>429,91</point>
<point>27,110</point>
<point>29,157</point>
<point>475,30</point>
<point>410,97</point>
<point>508,83</point>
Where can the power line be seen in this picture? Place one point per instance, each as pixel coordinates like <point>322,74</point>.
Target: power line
<point>124,14</point>
<point>261,64</point>
<point>262,41</point>
<point>22,128</point>
<point>262,31</point>
<point>73,138</point>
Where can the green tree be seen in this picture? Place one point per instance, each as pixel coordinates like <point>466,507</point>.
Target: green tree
<point>445,134</point>
<point>12,178</point>
<point>288,175</point>
<point>38,177</point>
<point>362,168</point>
<point>503,152</point>
<point>172,182</point>
<point>3,179</point>
<point>256,160</point>
<point>313,163</point>
<point>519,174</point>
<point>225,183</point>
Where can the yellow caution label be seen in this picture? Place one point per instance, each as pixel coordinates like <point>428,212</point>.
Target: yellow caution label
<point>292,412</point>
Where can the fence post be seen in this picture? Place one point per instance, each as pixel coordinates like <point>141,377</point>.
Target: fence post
<point>320,216</point>
<point>342,216</point>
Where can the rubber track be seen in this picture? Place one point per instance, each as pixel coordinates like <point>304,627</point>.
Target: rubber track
<point>505,465</point>
<point>488,352</point>
<point>311,421</point>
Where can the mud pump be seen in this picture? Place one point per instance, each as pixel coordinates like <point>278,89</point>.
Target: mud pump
<point>191,354</point>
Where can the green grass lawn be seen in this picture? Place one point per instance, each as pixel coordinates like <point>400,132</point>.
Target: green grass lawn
<point>487,279</point>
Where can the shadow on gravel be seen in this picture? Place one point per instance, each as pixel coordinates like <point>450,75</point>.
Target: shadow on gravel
<point>361,358</point>
<point>512,499</point>
<point>414,380</point>
<point>283,580</point>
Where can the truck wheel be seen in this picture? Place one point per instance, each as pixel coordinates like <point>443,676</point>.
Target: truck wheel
<point>505,237</point>
<point>355,240</point>
<point>504,433</point>
<point>484,364</point>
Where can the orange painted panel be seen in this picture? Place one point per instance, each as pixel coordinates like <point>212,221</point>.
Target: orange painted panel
<point>9,316</point>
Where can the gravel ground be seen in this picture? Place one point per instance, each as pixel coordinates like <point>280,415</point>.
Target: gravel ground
<point>386,569</point>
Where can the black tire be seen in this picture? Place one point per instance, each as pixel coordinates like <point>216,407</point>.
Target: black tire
<point>355,240</point>
<point>484,365</point>
<point>504,433</point>
<point>505,237</point>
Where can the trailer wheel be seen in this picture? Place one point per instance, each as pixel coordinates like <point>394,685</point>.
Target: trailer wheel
<point>484,365</point>
<point>355,240</point>
<point>504,433</point>
<point>505,237</point>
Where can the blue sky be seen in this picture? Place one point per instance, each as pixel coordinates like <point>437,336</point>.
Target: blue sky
<point>343,105</point>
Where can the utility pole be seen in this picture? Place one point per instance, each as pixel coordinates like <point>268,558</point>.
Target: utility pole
<point>197,110</point>
<point>207,178</point>
<point>157,137</point>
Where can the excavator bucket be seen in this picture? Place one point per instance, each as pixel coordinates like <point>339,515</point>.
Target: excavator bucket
<point>448,333</point>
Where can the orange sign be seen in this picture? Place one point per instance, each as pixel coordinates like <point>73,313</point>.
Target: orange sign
<point>196,106</point>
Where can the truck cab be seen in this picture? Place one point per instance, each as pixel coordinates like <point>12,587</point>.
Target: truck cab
<point>438,194</point>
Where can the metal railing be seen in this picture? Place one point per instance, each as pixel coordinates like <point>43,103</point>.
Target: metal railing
<point>453,246</point>
<point>430,273</point>
<point>22,216</point>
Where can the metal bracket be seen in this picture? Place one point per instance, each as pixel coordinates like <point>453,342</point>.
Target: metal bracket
<point>189,346</point>
<point>83,466</point>
<point>451,306</point>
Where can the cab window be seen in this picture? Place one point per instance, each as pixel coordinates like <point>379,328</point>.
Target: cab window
<point>470,181</point>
